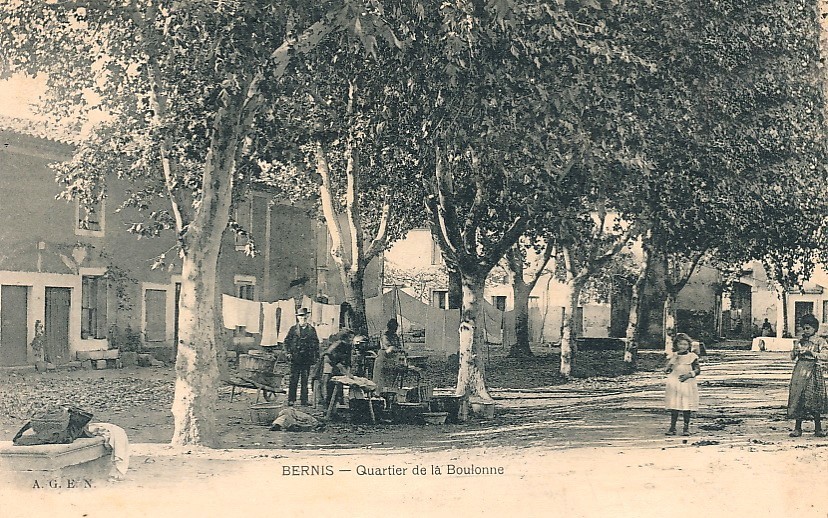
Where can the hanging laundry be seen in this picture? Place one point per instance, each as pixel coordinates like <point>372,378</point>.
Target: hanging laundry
<point>493,323</point>
<point>509,338</point>
<point>238,312</point>
<point>412,309</point>
<point>306,302</point>
<point>325,318</point>
<point>270,320</point>
<point>442,330</point>
<point>375,314</point>
<point>287,318</point>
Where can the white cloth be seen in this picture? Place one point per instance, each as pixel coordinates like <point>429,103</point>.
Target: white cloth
<point>117,440</point>
<point>241,312</point>
<point>306,302</point>
<point>270,329</point>
<point>287,318</point>
<point>325,318</point>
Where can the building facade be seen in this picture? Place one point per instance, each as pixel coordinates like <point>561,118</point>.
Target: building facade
<point>76,280</point>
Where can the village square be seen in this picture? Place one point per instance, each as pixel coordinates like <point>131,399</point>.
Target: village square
<point>423,257</point>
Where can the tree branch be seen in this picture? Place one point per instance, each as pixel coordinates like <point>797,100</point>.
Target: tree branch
<point>510,237</point>
<point>353,185</point>
<point>328,210</point>
<point>381,239</point>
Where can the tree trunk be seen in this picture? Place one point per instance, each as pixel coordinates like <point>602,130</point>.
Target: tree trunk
<point>669,321</point>
<point>455,288</point>
<point>352,282</point>
<point>471,374</point>
<point>196,366</point>
<point>521,348</point>
<point>569,337</point>
<point>633,334</point>
<point>786,330</point>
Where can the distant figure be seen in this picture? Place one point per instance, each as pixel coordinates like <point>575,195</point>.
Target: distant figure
<point>364,355</point>
<point>682,393</point>
<point>302,345</point>
<point>389,356</point>
<point>767,329</point>
<point>807,398</point>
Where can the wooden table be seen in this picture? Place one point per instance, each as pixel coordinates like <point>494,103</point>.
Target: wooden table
<point>338,390</point>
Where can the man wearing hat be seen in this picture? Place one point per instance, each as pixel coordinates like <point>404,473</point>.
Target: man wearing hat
<point>302,346</point>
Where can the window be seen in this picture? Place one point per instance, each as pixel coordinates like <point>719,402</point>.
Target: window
<point>245,287</point>
<point>439,298</point>
<point>499,302</point>
<point>825,311</point>
<point>436,253</point>
<point>89,218</point>
<point>155,315</point>
<point>93,307</point>
<point>244,217</point>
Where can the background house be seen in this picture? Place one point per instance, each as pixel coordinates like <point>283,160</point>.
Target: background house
<point>87,280</point>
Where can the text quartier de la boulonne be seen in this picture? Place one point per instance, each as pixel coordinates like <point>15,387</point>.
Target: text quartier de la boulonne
<point>394,470</point>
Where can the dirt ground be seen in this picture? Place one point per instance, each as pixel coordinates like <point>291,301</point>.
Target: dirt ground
<point>592,447</point>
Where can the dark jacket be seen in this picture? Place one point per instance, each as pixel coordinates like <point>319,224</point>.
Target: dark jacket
<point>340,352</point>
<point>302,345</point>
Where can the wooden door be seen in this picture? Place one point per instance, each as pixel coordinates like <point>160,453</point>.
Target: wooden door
<point>14,312</point>
<point>58,303</point>
<point>155,315</point>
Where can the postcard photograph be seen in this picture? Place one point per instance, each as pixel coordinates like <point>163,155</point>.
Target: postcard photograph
<point>413,257</point>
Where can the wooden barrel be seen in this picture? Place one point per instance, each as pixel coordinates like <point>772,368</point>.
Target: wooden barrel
<point>258,364</point>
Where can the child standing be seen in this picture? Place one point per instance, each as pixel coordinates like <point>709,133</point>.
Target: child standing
<point>682,390</point>
<point>807,398</point>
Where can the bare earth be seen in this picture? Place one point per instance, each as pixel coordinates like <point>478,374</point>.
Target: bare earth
<point>593,447</point>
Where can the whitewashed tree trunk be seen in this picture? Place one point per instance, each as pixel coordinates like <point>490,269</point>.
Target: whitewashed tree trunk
<point>197,368</point>
<point>569,347</point>
<point>471,372</point>
<point>633,334</point>
<point>669,322</point>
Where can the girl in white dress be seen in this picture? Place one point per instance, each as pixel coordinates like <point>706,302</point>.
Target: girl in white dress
<point>682,390</point>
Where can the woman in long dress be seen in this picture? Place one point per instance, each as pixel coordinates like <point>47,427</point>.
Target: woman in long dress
<point>807,397</point>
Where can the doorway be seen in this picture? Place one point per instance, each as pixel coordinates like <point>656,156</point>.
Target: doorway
<point>58,303</point>
<point>14,310</point>
<point>801,308</point>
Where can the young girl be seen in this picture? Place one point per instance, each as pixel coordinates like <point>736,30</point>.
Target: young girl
<point>682,390</point>
<point>807,398</point>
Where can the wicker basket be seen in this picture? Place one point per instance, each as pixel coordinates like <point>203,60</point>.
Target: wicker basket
<point>264,414</point>
<point>51,423</point>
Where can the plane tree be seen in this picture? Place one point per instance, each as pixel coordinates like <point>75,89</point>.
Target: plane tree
<point>504,96</point>
<point>186,88</point>
<point>734,111</point>
<point>342,132</point>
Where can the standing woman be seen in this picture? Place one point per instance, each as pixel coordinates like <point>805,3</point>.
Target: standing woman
<point>807,398</point>
<point>388,357</point>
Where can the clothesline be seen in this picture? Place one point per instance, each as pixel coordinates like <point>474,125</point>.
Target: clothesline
<point>274,319</point>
